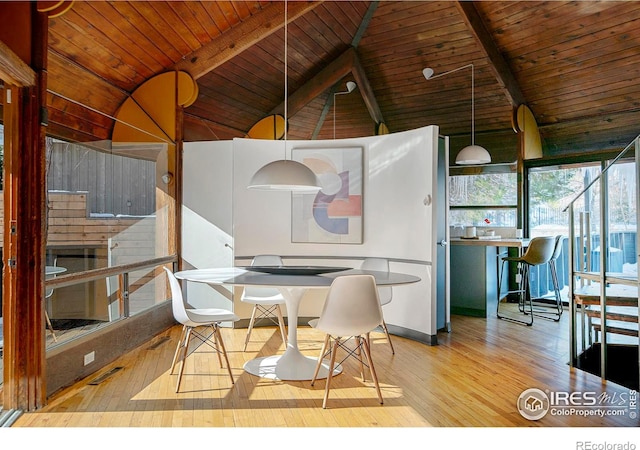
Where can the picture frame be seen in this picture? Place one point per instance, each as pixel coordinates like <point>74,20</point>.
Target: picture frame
<point>334,215</point>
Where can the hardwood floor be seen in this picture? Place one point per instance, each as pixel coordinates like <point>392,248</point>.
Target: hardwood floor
<point>471,379</point>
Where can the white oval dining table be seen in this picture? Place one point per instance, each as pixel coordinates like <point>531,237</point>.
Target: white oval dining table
<point>292,364</point>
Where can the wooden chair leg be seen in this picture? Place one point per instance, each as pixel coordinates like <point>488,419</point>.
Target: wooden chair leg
<point>358,352</point>
<point>216,345</point>
<point>386,332</point>
<point>330,374</point>
<point>367,352</point>
<point>251,322</point>
<point>223,350</point>
<point>53,333</point>
<point>185,349</point>
<point>325,344</point>
<point>178,347</point>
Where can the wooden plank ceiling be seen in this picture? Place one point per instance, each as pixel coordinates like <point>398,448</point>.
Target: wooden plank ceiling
<point>575,64</point>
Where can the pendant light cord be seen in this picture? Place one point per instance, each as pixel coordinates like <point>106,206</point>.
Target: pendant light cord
<point>286,94</point>
<point>473,109</point>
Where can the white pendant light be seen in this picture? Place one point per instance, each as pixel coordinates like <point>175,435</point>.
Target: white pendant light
<point>285,175</point>
<point>471,154</point>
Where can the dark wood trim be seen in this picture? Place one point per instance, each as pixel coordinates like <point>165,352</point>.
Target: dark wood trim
<point>25,219</point>
<point>176,225</point>
<point>367,91</point>
<point>498,65</point>
<point>13,70</point>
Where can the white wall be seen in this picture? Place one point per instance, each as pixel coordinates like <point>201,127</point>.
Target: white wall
<point>397,179</point>
<point>207,216</point>
<point>397,215</point>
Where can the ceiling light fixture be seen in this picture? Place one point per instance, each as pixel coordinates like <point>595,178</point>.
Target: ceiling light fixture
<point>350,87</point>
<point>471,154</point>
<point>285,175</point>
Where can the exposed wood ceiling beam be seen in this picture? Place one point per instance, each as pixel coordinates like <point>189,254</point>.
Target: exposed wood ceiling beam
<point>346,63</point>
<point>498,64</point>
<point>327,77</point>
<point>361,79</point>
<point>241,37</point>
<point>14,70</point>
<point>367,92</point>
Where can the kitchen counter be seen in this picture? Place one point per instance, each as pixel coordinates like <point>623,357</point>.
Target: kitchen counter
<point>494,242</point>
<point>474,273</point>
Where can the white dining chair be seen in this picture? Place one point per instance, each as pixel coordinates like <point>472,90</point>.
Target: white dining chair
<point>385,293</point>
<point>266,301</point>
<point>351,310</point>
<point>191,319</point>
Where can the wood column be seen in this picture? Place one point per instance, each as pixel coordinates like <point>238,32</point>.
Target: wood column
<point>25,220</point>
<point>176,246</point>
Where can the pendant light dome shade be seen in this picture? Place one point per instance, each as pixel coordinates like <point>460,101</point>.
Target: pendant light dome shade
<point>285,175</point>
<point>473,154</point>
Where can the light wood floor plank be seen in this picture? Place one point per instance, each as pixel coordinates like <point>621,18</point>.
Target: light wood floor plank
<point>471,379</point>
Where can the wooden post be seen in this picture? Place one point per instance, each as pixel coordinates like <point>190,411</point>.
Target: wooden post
<point>25,219</point>
<point>176,247</point>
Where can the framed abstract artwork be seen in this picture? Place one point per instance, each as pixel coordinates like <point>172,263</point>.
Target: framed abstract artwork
<point>334,214</point>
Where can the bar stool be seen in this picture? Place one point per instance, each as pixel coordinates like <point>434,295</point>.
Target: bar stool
<point>553,311</point>
<point>539,252</point>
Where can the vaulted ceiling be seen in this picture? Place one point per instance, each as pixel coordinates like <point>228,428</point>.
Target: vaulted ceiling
<point>574,64</point>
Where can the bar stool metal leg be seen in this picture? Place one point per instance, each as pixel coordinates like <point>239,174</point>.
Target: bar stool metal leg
<point>523,291</point>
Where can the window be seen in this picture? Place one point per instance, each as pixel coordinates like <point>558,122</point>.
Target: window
<point>103,210</point>
<point>551,189</point>
<point>488,199</point>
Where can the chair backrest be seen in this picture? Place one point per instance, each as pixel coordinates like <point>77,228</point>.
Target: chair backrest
<point>540,250</point>
<point>256,292</point>
<point>558,247</point>
<point>177,301</point>
<point>385,293</point>
<point>352,306</point>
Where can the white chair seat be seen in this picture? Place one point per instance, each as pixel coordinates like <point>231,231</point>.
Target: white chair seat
<point>268,300</point>
<point>204,316</point>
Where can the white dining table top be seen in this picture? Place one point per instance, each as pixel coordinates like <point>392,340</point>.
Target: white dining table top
<point>243,277</point>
